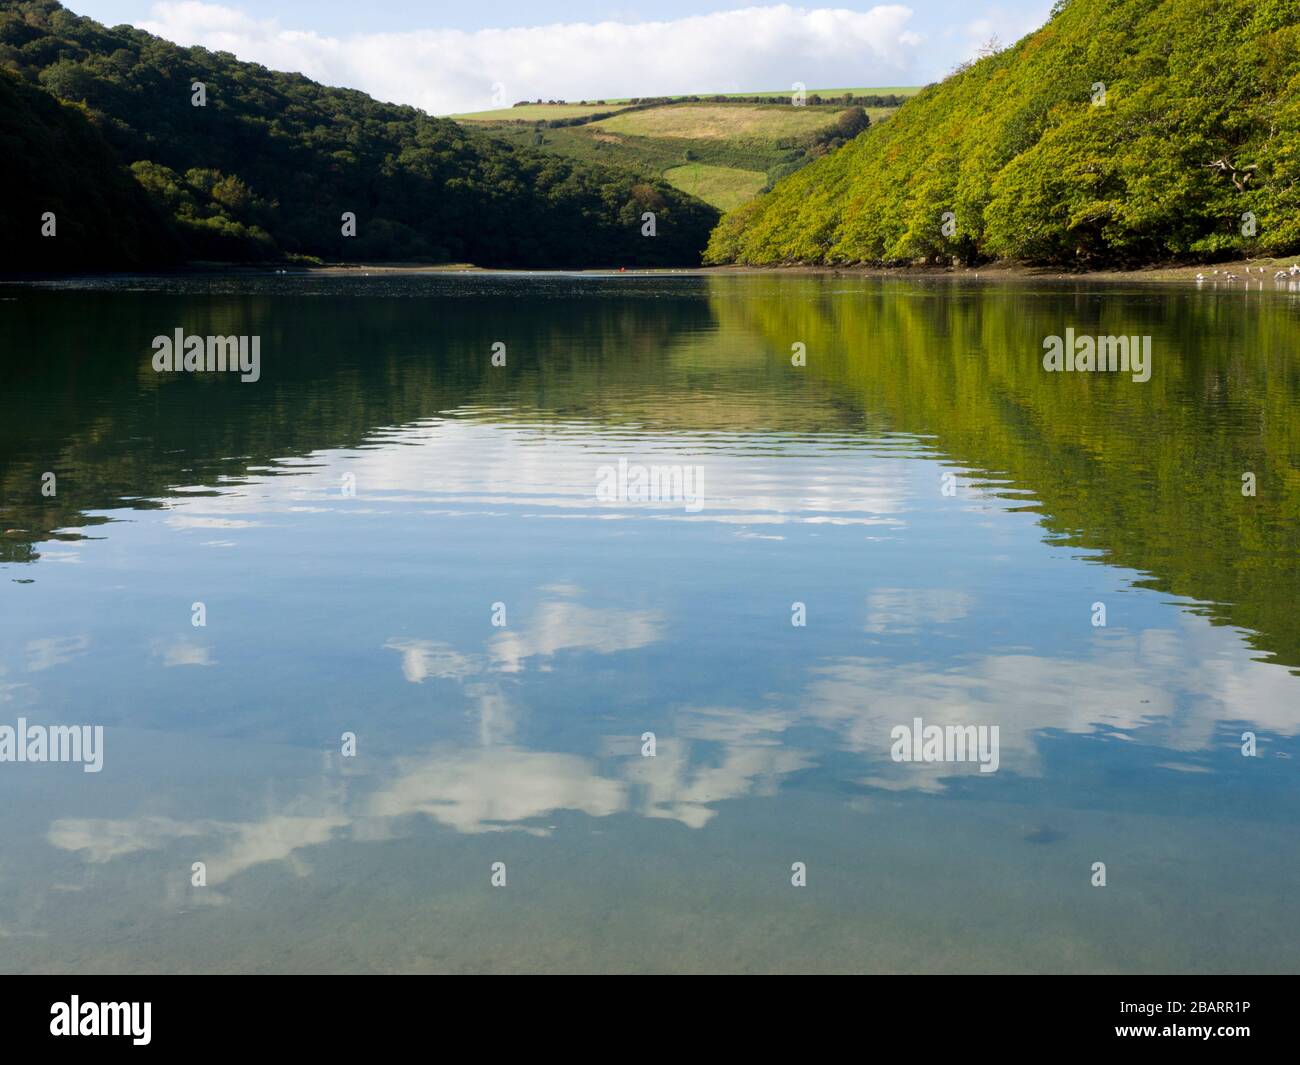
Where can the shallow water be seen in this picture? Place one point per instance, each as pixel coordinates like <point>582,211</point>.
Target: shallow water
<point>947,513</point>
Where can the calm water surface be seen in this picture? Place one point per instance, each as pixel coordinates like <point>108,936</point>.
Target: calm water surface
<point>371,611</point>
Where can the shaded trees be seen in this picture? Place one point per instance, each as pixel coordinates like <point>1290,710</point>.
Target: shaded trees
<point>270,163</point>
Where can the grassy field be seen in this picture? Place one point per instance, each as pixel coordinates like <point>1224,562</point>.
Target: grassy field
<point>720,121</point>
<point>905,90</point>
<point>723,186</point>
<point>543,112</point>
<point>723,153</point>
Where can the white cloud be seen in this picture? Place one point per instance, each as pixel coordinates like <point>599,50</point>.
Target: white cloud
<point>447,71</point>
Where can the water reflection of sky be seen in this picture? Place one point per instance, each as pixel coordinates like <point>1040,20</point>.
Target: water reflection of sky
<point>371,614</point>
<point>976,637</point>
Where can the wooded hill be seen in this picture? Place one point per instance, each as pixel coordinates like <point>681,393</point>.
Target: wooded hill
<point>269,165</point>
<point>1122,132</point>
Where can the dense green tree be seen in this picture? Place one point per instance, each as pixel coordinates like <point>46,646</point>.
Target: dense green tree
<point>272,161</point>
<point>851,122</point>
<point>57,164</point>
<point>1122,132</point>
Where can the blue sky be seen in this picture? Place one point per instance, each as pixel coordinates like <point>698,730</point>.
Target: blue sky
<point>449,57</point>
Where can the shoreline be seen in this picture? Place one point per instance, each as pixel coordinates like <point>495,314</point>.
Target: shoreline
<point>1239,273</point>
<point>1235,272</point>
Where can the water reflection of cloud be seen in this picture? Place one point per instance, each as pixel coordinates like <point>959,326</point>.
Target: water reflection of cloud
<point>54,651</point>
<point>556,625</point>
<point>552,471</point>
<point>278,837</point>
<point>1174,690</point>
<point>101,840</point>
<point>422,659</point>
<point>561,588</point>
<point>560,626</point>
<point>494,789</point>
<point>748,759</point>
<point>675,786</point>
<point>230,847</point>
<point>908,610</point>
<point>184,652</point>
<point>476,791</point>
<point>198,521</point>
<point>68,557</point>
<point>498,717</point>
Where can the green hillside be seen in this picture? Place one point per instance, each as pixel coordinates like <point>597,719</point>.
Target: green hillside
<point>723,186</point>
<point>1122,132</point>
<point>269,166</point>
<point>101,215</point>
<point>711,147</point>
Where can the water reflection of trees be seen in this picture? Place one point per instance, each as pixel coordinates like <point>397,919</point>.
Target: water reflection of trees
<point>1148,474</point>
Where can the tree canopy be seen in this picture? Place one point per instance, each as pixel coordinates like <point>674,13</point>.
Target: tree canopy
<point>271,161</point>
<point>1121,132</point>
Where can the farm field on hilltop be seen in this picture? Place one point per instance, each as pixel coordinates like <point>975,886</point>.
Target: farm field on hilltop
<point>541,110</point>
<point>720,121</point>
<point>723,149</point>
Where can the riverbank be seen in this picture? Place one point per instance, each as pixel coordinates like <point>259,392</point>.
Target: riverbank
<point>1241,273</point>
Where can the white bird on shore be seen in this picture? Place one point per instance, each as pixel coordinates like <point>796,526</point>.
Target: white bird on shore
<point>1281,275</point>
<point>1295,269</point>
<point>1200,277</point>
